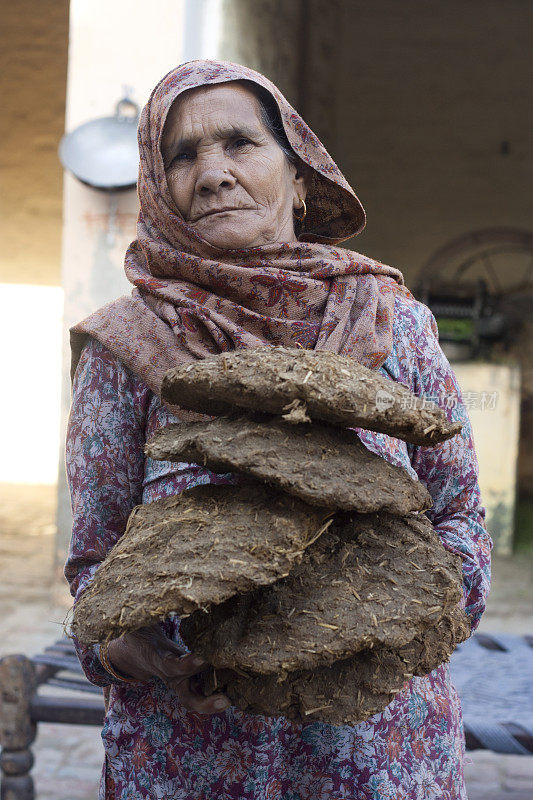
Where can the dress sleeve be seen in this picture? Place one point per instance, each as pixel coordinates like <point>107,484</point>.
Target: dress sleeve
<point>104,461</point>
<point>450,470</point>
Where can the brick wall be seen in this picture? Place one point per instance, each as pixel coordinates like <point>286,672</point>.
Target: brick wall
<point>415,100</point>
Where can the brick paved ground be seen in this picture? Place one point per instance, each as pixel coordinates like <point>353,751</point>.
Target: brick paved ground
<point>495,777</point>
<point>68,760</point>
<point>32,608</point>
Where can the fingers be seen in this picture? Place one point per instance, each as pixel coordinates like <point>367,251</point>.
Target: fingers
<point>144,653</point>
<point>172,666</point>
<point>148,652</point>
<point>195,702</point>
<point>155,636</point>
<point>126,657</point>
<point>177,673</point>
<point>166,646</point>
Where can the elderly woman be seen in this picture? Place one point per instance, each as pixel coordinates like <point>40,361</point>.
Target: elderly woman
<point>242,211</point>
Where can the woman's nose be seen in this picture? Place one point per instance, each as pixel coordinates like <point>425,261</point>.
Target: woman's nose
<point>211,179</point>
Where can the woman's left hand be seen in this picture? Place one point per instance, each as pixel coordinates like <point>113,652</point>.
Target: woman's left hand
<point>147,652</point>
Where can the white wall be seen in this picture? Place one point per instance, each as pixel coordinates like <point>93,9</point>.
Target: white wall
<point>491,393</point>
<point>30,333</point>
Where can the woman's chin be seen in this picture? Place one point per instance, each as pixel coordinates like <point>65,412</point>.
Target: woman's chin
<point>230,234</point>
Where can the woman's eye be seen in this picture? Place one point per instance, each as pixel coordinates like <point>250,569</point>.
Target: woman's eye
<point>241,142</point>
<point>181,157</point>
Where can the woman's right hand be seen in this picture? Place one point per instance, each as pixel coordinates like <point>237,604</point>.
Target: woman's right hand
<point>147,652</point>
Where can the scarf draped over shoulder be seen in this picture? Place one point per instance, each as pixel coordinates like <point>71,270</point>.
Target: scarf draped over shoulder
<point>191,300</point>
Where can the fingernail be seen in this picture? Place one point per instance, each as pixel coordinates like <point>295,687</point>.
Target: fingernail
<point>170,656</point>
<point>221,704</point>
<point>198,661</point>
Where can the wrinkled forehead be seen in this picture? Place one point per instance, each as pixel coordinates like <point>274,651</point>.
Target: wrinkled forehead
<point>196,77</point>
<point>222,106</point>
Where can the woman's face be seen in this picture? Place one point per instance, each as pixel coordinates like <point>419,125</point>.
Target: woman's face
<point>226,173</point>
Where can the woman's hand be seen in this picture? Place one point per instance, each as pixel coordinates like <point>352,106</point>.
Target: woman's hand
<point>147,652</point>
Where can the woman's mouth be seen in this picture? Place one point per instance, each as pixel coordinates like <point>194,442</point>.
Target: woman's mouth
<point>224,210</point>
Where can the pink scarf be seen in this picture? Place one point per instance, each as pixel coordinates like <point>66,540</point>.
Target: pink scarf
<point>192,300</point>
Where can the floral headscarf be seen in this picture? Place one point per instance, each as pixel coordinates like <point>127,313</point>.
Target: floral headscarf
<point>192,300</point>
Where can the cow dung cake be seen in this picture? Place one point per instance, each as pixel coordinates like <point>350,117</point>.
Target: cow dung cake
<point>378,581</point>
<point>345,692</point>
<point>314,587</point>
<point>322,465</point>
<point>186,552</point>
<point>306,385</point>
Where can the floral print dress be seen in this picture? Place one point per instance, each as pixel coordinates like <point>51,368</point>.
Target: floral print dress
<point>413,750</point>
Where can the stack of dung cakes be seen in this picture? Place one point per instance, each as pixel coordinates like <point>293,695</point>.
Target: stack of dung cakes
<point>316,586</point>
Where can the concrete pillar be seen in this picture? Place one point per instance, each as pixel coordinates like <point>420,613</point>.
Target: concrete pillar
<point>126,43</point>
<point>491,393</point>
<point>113,47</point>
<point>266,35</point>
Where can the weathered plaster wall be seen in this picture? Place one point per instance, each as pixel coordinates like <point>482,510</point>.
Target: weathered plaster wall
<point>491,393</point>
<point>264,35</point>
<point>33,70</point>
<point>431,91</point>
<point>414,100</point>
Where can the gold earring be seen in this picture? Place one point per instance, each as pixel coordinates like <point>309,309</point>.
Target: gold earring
<point>301,217</point>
